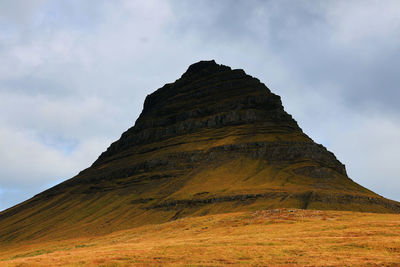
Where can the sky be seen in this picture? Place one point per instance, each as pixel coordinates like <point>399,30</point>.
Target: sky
<point>74,75</point>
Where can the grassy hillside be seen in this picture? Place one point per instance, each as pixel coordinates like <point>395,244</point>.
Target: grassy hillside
<point>276,237</point>
<point>107,197</point>
<point>215,141</point>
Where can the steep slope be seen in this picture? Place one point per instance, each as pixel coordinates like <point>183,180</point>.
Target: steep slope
<point>215,140</point>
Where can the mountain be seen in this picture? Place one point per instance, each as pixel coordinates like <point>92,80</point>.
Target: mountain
<point>216,140</point>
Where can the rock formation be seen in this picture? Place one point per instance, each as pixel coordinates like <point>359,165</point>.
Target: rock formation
<point>216,140</point>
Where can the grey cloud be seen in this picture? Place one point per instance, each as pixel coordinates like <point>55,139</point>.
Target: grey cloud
<point>19,11</point>
<point>312,42</point>
<point>74,75</point>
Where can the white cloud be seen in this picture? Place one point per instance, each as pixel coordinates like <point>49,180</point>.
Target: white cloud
<point>74,76</point>
<point>29,166</point>
<point>364,23</point>
<point>369,146</point>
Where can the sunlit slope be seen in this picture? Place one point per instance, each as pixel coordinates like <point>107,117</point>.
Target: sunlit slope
<point>280,237</point>
<point>216,140</point>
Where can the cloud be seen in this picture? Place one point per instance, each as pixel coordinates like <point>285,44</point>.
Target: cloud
<point>371,152</point>
<point>19,12</point>
<point>357,22</point>
<point>30,165</point>
<point>74,76</point>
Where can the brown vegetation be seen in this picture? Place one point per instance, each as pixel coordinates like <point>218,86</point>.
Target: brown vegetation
<point>265,237</point>
<point>197,181</point>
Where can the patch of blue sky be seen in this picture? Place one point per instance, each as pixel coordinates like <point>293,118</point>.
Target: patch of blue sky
<point>62,144</point>
<point>72,14</point>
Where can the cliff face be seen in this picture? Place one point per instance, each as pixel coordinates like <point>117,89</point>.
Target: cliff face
<point>211,96</point>
<point>215,140</point>
<point>207,96</point>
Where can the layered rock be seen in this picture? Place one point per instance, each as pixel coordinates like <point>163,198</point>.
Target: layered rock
<point>215,140</point>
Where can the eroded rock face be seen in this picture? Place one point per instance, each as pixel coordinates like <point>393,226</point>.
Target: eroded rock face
<point>210,96</point>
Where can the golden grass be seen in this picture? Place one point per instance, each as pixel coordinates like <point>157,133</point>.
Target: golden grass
<point>266,237</point>
<point>114,200</point>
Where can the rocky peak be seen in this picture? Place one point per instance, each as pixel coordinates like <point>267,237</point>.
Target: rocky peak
<point>205,67</point>
<point>208,95</point>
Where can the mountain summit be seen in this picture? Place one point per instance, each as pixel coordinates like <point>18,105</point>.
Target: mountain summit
<point>216,140</point>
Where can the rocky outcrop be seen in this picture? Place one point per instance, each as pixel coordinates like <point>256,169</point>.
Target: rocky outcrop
<point>207,96</point>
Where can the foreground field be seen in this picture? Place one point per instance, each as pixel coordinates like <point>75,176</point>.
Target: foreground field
<point>266,237</point>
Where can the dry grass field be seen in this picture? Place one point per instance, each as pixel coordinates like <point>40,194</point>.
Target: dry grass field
<point>267,237</point>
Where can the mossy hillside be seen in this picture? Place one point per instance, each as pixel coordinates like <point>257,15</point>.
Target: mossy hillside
<point>215,141</point>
